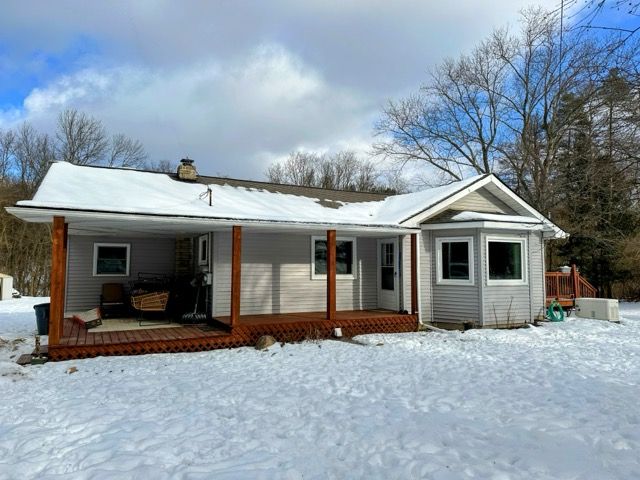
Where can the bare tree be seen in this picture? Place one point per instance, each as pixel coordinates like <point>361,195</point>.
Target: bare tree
<point>592,15</point>
<point>24,247</point>
<point>33,153</point>
<point>7,150</point>
<point>166,166</point>
<point>452,124</point>
<point>126,152</point>
<point>496,110</point>
<point>340,171</point>
<point>299,169</point>
<point>25,155</point>
<point>82,139</point>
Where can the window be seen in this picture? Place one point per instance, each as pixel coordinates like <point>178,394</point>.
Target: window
<point>455,260</point>
<point>387,266</point>
<point>506,261</point>
<point>203,250</point>
<point>345,257</point>
<point>111,259</point>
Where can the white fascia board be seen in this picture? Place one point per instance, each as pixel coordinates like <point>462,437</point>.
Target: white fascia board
<point>488,225</point>
<point>417,219</point>
<point>557,231</point>
<point>45,215</point>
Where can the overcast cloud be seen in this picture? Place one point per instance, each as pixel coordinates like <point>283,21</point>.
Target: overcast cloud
<point>233,85</point>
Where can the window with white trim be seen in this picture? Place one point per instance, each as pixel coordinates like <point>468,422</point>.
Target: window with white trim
<point>454,265</point>
<point>203,250</point>
<point>506,261</point>
<point>345,257</point>
<point>111,259</point>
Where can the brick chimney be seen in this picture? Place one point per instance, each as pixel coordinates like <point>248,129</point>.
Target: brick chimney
<point>186,170</point>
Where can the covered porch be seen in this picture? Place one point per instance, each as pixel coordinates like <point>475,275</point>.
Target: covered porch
<point>228,324</point>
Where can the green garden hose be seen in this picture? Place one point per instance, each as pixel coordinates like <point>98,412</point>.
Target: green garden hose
<point>555,312</point>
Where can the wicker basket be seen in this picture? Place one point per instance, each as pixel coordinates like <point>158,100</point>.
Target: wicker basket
<point>150,302</point>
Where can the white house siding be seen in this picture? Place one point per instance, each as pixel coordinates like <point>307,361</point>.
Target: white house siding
<point>456,303</point>
<point>424,274</point>
<point>151,255</point>
<point>276,275</point>
<point>505,305</point>
<point>482,200</point>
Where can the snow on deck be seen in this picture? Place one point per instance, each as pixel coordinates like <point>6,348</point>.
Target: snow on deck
<point>129,191</point>
<point>552,402</point>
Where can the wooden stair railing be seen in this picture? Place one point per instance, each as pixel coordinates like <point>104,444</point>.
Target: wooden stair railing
<point>586,289</point>
<point>568,285</point>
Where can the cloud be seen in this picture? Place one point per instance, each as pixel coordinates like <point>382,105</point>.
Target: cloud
<point>231,116</point>
<point>233,84</point>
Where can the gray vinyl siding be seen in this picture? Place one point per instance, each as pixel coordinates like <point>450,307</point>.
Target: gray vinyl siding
<point>482,200</point>
<point>506,305</point>
<point>152,255</point>
<point>456,303</point>
<point>424,274</point>
<point>276,275</point>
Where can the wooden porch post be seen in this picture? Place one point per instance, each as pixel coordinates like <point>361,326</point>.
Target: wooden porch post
<point>58,274</point>
<point>414,274</point>
<point>575,280</point>
<point>331,274</point>
<point>236,255</point>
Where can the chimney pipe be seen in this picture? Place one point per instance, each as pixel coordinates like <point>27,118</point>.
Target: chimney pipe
<point>186,170</point>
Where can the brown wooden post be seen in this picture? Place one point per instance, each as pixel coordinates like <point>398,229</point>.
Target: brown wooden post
<point>575,277</point>
<point>58,273</point>
<point>414,274</point>
<point>236,265</point>
<point>331,274</point>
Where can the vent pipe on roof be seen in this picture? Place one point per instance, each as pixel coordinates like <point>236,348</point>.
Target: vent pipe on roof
<point>186,170</point>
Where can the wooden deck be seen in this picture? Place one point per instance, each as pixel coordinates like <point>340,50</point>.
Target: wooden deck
<point>77,342</point>
<point>566,287</point>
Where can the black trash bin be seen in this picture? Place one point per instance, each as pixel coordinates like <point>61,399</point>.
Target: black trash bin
<point>42,318</point>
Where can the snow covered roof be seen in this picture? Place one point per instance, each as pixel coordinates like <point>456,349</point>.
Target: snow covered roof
<point>467,216</point>
<point>76,188</point>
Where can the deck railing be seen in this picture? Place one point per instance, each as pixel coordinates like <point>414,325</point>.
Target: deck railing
<point>568,285</point>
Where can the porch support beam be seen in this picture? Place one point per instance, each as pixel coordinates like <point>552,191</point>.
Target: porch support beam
<point>58,275</point>
<point>414,274</point>
<point>236,264</point>
<point>331,274</point>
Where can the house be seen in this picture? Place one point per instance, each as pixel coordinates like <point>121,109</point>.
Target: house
<point>287,260</point>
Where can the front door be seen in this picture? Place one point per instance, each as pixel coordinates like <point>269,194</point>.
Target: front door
<point>388,274</point>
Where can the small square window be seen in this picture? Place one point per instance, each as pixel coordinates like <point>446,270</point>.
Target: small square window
<point>111,259</point>
<point>455,260</point>
<point>345,257</point>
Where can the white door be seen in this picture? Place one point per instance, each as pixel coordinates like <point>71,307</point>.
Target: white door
<point>388,274</point>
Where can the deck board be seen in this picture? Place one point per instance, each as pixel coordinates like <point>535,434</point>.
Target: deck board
<point>77,342</point>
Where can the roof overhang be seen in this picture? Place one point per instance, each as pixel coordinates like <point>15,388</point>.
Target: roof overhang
<point>554,231</point>
<point>90,222</point>
<point>489,225</point>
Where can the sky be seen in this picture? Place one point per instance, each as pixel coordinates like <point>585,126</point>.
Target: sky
<point>234,85</point>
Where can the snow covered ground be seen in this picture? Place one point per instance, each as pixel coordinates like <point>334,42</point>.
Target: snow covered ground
<point>560,401</point>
